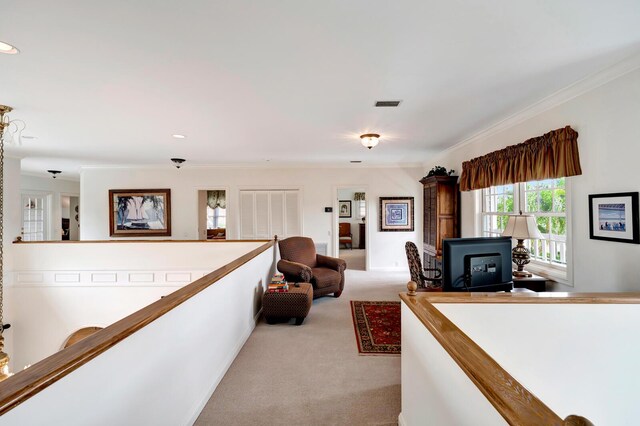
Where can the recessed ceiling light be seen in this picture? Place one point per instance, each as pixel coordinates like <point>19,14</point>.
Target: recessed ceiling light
<point>179,136</point>
<point>8,49</point>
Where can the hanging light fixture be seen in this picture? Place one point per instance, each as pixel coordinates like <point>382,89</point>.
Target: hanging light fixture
<point>178,162</point>
<point>5,124</point>
<point>369,140</point>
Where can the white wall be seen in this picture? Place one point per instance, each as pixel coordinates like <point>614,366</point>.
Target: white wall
<point>56,289</point>
<point>435,390</point>
<point>607,119</point>
<point>164,373</point>
<point>317,186</point>
<point>347,194</point>
<point>55,187</point>
<point>576,358</point>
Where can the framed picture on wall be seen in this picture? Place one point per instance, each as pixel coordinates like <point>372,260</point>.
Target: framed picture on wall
<point>396,214</point>
<point>140,212</point>
<point>614,217</point>
<point>344,208</point>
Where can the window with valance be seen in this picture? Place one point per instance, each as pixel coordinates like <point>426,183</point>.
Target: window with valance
<point>529,177</point>
<point>552,155</point>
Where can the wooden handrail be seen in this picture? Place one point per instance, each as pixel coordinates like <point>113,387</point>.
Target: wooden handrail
<point>530,298</point>
<point>25,384</point>
<point>516,404</point>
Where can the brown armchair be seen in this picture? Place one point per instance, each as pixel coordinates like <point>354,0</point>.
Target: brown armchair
<point>300,263</point>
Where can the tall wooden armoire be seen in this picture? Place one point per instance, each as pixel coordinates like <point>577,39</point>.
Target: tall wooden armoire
<point>441,219</point>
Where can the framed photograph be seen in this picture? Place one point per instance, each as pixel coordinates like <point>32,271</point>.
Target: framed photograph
<point>344,208</point>
<point>396,214</point>
<point>614,217</point>
<point>140,212</point>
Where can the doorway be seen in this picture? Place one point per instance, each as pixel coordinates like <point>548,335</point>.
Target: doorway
<point>70,217</point>
<point>352,227</point>
<point>212,214</point>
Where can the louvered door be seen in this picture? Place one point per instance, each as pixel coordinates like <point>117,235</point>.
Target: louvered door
<point>268,213</point>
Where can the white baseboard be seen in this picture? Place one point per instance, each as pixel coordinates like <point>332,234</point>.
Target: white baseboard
<point>401,421</point>
<point>233,354</point>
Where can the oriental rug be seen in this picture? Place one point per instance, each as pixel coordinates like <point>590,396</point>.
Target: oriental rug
<point>377,327</point>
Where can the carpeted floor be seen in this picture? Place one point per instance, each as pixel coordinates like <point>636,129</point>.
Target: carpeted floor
<point>355,258</point>
<point>313,374</point>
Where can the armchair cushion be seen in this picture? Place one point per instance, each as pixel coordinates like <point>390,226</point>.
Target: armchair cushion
<point>325,277</point>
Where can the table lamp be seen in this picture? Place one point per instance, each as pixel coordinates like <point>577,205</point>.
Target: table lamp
<point>521,227</point>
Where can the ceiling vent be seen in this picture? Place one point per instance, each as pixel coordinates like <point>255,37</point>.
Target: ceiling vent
<point>392,104</point>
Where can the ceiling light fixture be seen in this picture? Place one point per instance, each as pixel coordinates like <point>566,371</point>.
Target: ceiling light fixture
<point>177,136</point>
<point>54,173</point>
<point>369,140</point>
<point>178,162</point>
<point>8,49</point>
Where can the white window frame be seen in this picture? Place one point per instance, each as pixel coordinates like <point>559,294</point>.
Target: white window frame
<point>216,216</point>
<point>560,273</point>
<point>361,206</point>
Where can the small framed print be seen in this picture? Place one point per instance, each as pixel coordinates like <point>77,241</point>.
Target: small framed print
<point>396,214</point>
<point>344,207</point>
<point>614,217</point>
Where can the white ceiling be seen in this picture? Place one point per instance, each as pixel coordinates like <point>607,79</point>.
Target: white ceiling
<point>288,80</point>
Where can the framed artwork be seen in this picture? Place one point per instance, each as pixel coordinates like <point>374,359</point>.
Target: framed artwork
<point>344,208</point>
<point>614,217</point>
<point>396,214</point>
<point>140,212</point>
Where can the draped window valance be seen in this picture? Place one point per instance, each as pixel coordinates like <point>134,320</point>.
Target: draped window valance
<point>552,155</point>
<point>216,199</point>
<point>358,196</point>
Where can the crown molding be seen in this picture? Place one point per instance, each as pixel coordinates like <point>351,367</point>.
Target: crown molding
<point>68,178</point>
<point>269,165</point>
<point>580,87</point>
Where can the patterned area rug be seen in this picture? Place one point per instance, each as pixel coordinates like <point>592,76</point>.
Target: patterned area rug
<point>377,326</point>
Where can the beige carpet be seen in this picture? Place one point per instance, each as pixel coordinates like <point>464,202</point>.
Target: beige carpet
<point>312,374</point>
<point>355,258</point>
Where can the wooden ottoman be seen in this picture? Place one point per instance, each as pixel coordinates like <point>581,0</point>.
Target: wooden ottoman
<point>282,306</point>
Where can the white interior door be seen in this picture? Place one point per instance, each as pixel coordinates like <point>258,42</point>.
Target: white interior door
<point>247,215</point>
<point>35,217</point>
<point>292,214</point>
<point>268,213</point>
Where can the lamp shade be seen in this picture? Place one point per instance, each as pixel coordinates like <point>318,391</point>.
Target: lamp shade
<point>521,227</point>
